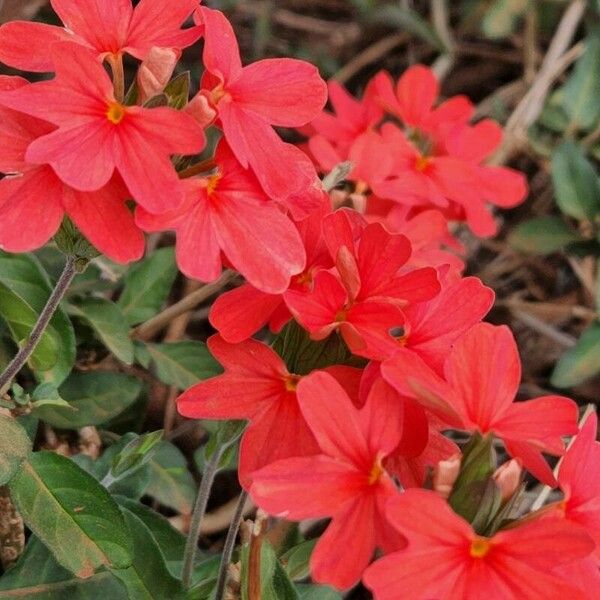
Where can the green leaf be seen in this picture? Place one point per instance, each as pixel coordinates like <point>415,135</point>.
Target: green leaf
<point>72,514</point>
<point>47,395</point>
<point>502,18</point>
<point>317,592</point>
<point>171,483</point>
<point>182,364</point>
<point>37,576</point>
<point>170,541</point>
<point>410,20</point>
<point>96,397</point>
<point>580,363</point>
<point>24,290</point>
<point>296,561</point>
<point>303,355</point>
<point>223,435</point>
<point>576,185</point>
<point>582,90</point>
<point>178,90</point>
<point>148,577</point>
<point>137,453</point>
<point>542,235</point>
<point>108,321</point>
<point>148,285</point>
<point>15,447</point>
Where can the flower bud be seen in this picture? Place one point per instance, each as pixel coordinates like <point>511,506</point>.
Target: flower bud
<point>199,107</point>
<point>156,71</point>
<point>445,475</point>
<point>508,478</point>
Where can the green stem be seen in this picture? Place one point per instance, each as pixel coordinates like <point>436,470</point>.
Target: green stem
<point>191,544</point>
<point>234,527</point>
<point>39,328</point>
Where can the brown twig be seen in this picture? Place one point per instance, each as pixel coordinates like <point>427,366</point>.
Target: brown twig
<point>150,328</point>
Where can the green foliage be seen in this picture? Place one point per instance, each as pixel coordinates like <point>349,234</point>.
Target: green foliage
<point>92,399</point>
<point>15,447</point>
<point>576,185</point>
<point>180,364</point>
<point>24,290</point>
<point>303,355</point>
<point>580,363</point>
<point>74,516</point>
<point>502,17</point>
<point>109,323</point>
<point>296,560</point>
<point>317,592</point>
<point>542,235</point>
<point>148,285</point>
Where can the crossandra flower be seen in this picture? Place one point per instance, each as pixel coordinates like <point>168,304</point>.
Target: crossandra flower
<point>481,377</point>
<point>446,560</point>
<point>228,213</point>
<point>33,200</point>
<point>257,386</point>
<point>346,481</point>
<point>97,135</point>
<point>108,28</point>
<point>250,100</point>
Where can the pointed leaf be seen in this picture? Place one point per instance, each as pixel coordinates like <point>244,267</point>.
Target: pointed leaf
<point>15,447</point>
<point>542,235</point>
<point>580,363</point>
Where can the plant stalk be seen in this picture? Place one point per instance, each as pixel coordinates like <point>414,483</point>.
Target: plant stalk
<point>40,327</point>
<point>191,544</point>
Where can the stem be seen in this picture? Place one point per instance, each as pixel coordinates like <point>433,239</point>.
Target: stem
<point>191,544</point>
<point>232,532</point>
<point>199,168</point>
<point>46,315</point>
<point>116,65</point>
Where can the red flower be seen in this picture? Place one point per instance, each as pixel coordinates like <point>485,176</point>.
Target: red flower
<point>96,134</point>
<point>229,212</point>
<point>364,302</point>
<point>33,200</point>
<point>579,479</point>
<point>346,482</point>
<point>483,373</point>
<point>251,100</point>
<point>446,560</point>
<point>240,313</point>
<point>257,386</point>
<point>107,27</point>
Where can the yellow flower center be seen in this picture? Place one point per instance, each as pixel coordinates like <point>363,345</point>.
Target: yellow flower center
<point>213,183</point>
<point>291,382</point>
<point>377,471</point>
<point>422,163</point>
<point>480,547</point>
<point>115,112</point>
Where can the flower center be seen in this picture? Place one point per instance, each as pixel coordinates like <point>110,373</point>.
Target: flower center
<point>341,316</point>
<point>115,112</point>
<point>422,162</point>
<point>377,471</point>
<point>213,183</point>
<point>291,382</point>
<point>304,279</point>
<point>480,547</point>
<point>217,94</point>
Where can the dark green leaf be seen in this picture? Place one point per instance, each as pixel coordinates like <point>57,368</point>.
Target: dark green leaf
<point>296,561</point>
<point>303,355</point>
<point>171,483</point>
<point>47,395</point>
<point>147,286</point>
<point>72,514</point>
<point>178,90</point>
<point>542,235</point>
<point>580,363</point>
<point>582,90</point>
<point>24,290</point>
<point>15,447</point>
<point>148,577</point>
<point>37,576</point>
<point>182,364</point>
<point>108,321</point>
<point>317,592</point>
<point>576,185</point>
<point>137,453</point>
<point>96,398</point>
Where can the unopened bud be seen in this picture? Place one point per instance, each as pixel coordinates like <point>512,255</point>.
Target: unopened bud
<point>445,475</point>
<point>199,107</point>
<point>156,71</point>
<point>508,478</point>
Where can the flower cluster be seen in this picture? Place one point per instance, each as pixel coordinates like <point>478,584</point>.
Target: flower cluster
<point>367,434</point>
